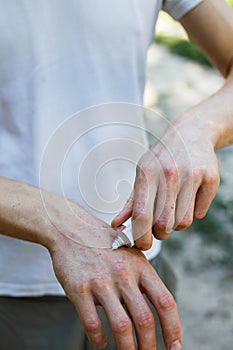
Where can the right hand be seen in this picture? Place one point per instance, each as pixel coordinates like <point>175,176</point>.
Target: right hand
<point>99,276</point>
<point>176,181</point>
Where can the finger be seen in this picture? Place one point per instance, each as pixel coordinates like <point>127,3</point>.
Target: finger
<point>204,198</point>
<point>89,318</point>
<point>185,207</point>
<point>164,211</point>
<point>145,189</point>
<point>124,214</point>
<point>118,319</point>
<point>165,306</point>
<point>142,318</point>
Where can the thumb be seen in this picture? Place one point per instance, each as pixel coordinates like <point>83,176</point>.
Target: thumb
<point>124,214</point>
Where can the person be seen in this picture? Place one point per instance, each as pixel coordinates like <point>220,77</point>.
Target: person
<point>58,59</point>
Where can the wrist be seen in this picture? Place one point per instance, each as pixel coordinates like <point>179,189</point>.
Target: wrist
<point>192,128</point>
<point>68,222</point>
<point>55,217</point>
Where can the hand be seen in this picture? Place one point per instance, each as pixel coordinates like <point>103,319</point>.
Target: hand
<point>92,276</point>
<point>176,181</point>
<point>89,271</point>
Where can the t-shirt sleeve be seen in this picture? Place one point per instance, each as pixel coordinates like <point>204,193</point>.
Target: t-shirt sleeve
<point>178,8</point>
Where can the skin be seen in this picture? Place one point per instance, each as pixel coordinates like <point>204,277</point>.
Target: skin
<point>97,275</point>
<point>88,270</point>
<point>177,179</point>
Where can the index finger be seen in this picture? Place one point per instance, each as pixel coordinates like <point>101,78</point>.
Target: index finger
<point>125,213</point>
<point>145,189</point>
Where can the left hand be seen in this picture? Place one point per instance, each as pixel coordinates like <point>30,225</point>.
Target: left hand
<point>94,276</point>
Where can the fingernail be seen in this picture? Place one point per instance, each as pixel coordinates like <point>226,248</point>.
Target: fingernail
<point>175,346</point>
<point>121,227</point>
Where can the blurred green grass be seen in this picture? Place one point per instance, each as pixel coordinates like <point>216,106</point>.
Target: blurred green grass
<point>182,47</point>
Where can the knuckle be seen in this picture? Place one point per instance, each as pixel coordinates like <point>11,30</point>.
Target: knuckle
<point>144,244</point>
<point>122,327</point>
<point>140,211</point>
<point>200,214</point>
<point>171,173</point>
<point>98,281</point>
<point>176,331</point>
<point>161,236</point>
<point>161,224</point>
<point>147,164</point>
<point>160,233</point>
<point>184,223</point>
<point>145,320</point>
<point>195,174</point>
<point>92,326</point>
<point>81,287</point>
<point>166,302</point>
<point>142,215</point>
<point>210,179</point>
<point>150,169</point>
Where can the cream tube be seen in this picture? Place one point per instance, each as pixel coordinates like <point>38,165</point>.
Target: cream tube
<point>124,236</point>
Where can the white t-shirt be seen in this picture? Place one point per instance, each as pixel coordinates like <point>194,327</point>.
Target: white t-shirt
<point>57,59</point>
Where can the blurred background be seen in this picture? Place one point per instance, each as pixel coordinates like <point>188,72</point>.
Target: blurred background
<point>178,76</point>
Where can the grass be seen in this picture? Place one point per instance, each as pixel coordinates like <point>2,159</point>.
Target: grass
<point>182,47</point>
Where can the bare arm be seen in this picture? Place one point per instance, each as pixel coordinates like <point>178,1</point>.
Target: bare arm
<point>178,178</point>
<point>88,270</point>
<point>210,27</point>
<point>31,214</point>
<point>22,214</point>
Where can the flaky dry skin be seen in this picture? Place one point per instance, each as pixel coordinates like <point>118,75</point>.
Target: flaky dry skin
<point>89,273</point>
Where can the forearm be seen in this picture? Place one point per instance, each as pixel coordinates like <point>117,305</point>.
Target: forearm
<point>213,116</point>
<point>22,213</point>
<point>210,27</point>
<point>222,111</point>
<point>38,216</point>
